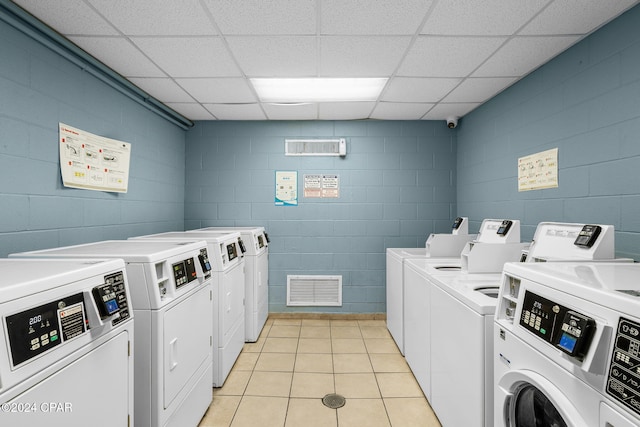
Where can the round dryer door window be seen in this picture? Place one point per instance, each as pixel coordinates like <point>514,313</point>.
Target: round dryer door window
<point>531,408</point>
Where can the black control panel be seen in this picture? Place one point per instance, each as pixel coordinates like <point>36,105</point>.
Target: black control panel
<point>260,241</point>
<point>204,261</point>
<point>456,223</point>
<point>184,272</point>
<point>111,298</point>
<point>243,248</point>
<point>623,382</point>
<point>232,251</point>
<point>588,235</point>
<point>504,227</point>
<point>567,330</point>
<point>39,329</point>
<point>266,236</point>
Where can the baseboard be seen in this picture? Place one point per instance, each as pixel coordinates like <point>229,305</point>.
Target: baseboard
<point>329,316</point>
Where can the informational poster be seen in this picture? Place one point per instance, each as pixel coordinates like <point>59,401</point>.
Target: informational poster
<point>92,162</point>
<point>321,186</point>
<point>330,186</point>
<point>538,171</point>
<point>286,188</point>
<point>313,186</point>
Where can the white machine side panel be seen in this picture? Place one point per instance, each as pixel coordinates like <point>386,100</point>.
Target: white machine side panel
<point>457,361</point>
<point>417,327</point>
<point>186,340</point>
<point>395,322</point>
<point>87,392</point>
<point>263,290</point>
<point>251,296</point>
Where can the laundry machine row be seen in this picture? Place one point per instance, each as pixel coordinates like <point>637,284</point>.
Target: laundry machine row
<point>226,259</point>
<point>172,301</point>
<point>255,246</point>
<point>567,345</point>
<point>443,296</point>
<point>440,247</point>
<point>66,343</point>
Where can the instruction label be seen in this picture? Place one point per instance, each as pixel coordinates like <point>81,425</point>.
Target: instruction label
<point>538,171</point>
<point>92,162</point>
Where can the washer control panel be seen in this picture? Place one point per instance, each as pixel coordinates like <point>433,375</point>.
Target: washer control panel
<point>623,382</point>
<point>184,272</point>
<point>111,298</point>
<point>565,329</point>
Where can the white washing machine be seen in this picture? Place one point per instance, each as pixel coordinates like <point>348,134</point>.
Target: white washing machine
<point>171,294</point>
<point>468,299</point>
<point>256,243</point>
<point>418,281</point>
<point>461,370</point>
<point>567,345</point>
<point>227,268</point>
<point>66,343</point>
<point>444,248</point>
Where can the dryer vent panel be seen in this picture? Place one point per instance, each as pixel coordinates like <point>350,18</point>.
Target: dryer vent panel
<point>314,290</point>
<point>315,147</point>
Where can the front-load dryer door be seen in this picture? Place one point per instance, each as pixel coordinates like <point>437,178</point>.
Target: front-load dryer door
<point>186,334</point>
<point>532,401</point>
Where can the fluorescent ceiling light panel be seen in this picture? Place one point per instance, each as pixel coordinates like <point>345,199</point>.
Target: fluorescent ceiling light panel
<point>318,89</point>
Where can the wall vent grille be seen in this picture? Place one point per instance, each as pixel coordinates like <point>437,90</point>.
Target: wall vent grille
<point>315,147</point>
<point>314,290</point>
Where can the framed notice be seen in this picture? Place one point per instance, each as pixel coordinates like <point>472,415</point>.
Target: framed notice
<point>538,171</point>
<point>286,188</point>
<point>322,186</point>
<point>92,162</point>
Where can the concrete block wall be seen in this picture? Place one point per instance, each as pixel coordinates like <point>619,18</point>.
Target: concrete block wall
<point>38,90</point>
<point>397,185</point>
<point>586,103</point>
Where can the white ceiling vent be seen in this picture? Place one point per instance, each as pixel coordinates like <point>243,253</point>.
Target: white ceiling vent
<point>315,147</point>
<point>314,290</point>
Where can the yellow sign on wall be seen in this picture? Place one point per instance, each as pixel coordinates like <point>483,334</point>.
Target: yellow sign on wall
<point>538,171</point>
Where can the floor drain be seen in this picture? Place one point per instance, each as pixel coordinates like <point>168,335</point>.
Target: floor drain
<point>333,401</point>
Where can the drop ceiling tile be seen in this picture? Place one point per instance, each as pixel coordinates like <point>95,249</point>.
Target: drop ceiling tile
<point>291,112</point>
<point>400,110</point>
<point>189,56</point>
<point>119,54</point>
<point>361,56</point>
<point>156,17</point>
<point>345,110</point>
<point>417,89</point>
<point>69,17</point>
<point>275,56</point>
<point>264,16</point>
<point>447,56</point>
<point>381,17</point>
<point>219,90</point>
<point>480,18</point>
<point>443,111</point>
<point>192,111</point>
<point>163,89</point>
<point>575,16</point>
<point>479,89</point>
<point>521,55</point>
<point>236,111</point>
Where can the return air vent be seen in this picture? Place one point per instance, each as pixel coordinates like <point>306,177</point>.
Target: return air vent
<point>315,147</point>
<point>314,290</point>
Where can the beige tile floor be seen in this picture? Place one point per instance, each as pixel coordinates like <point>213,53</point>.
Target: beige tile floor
<point>280,380</point>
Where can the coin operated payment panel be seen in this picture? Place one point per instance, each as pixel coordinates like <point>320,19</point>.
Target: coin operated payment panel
<point>61,319</point>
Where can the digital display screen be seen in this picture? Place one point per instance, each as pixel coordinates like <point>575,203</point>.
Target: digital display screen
<point>568,342</point>
<point>111,306</point>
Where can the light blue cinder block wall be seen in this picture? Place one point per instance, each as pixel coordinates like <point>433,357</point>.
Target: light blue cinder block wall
<point>585,102</point>
<point>397,185</point>
<point>39,89</point>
